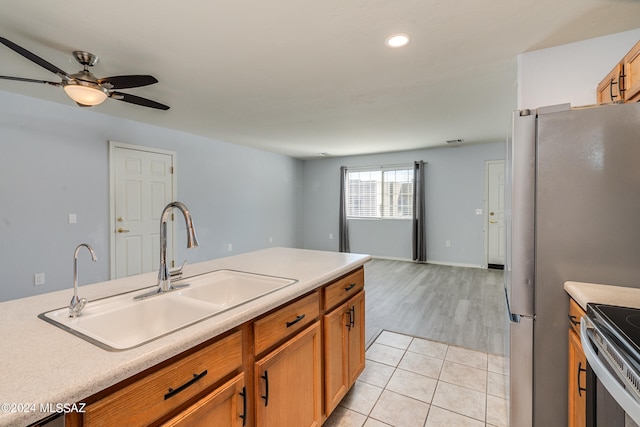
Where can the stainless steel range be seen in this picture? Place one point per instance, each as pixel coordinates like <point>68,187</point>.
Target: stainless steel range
<point>610,338</point>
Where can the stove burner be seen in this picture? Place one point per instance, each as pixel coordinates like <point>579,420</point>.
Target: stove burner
<point>634,320</point>
<point>623,323</point>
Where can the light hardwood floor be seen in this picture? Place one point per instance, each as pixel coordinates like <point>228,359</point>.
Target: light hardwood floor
<point>455,305</point>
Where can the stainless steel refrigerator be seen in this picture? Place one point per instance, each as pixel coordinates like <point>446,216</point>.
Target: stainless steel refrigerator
<point>573,213</point>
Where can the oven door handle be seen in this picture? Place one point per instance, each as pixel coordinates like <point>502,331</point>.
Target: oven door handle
<point>608,380</point>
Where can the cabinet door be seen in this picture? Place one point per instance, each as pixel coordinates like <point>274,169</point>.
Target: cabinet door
<point>287,382</point>
<point>226,406</point>
<point>356,337</point>
<point>343,349</point>
<point>577,382</point>
<point>631,63</point>
<point>336,357</point>
<point>608,90</point>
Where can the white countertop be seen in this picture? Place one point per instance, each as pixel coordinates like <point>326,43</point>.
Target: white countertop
<point>40,363</point>
<point>584,293</point>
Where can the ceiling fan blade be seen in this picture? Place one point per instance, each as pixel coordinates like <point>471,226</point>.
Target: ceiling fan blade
<point>133,99</point>
<point>125,82</point>
<point>22,79</point>
<point>33,57</point>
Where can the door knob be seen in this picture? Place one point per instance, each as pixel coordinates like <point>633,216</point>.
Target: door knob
<point>491,213</point>
<point>120,219</point>
<point>122,230</point>
<point>493,222</point>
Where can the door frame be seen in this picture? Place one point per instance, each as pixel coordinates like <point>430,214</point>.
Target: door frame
<point>113,145</point>
<point>485,224</point>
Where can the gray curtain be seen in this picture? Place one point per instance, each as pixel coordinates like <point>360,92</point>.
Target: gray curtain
<point>419,220</point>
<point>342,222</point>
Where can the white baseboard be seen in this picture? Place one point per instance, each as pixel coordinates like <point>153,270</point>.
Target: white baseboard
<point>451,264</point>
<point>455,264</point>
<point>391,258</point>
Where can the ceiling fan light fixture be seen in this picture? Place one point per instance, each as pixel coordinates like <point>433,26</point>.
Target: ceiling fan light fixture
<point>397,40</point>
<point>85,94</point>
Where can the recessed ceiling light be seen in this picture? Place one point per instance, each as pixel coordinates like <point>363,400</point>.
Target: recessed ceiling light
<point>397,40</point>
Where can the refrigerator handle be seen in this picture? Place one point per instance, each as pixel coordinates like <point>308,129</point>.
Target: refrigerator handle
<point>520,272</point>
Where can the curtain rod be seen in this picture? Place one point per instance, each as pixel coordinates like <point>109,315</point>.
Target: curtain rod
<point>390,166</point>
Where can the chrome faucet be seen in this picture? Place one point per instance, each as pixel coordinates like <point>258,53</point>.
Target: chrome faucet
<point>77,304</point>
<point>164,278</point>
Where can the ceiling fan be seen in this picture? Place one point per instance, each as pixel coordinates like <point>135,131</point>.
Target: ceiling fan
<point>85,88</point>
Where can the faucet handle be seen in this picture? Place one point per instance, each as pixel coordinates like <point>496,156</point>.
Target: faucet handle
<point>76,305</point>
<point>178,271</point>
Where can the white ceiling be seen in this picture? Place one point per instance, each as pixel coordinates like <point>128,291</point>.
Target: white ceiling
<point>304,77</point>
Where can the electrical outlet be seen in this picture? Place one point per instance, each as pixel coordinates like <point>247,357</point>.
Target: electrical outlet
<point>330,236</point>
<point>38,279</point>
<point>229,247</point>
<point>447,243</point>
<point>270,239</point>
<point>73,218</point>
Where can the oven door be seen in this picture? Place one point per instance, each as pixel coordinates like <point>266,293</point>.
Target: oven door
<point>608,401</point>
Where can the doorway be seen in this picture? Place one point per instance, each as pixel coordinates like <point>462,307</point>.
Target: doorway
<point>142,183</point>
<point>495,226</point>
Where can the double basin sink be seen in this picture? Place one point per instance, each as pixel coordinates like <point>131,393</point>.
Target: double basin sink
<point>121,322</point>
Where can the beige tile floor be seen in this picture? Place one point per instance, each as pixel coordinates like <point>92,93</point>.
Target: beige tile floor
<point>415,382</point>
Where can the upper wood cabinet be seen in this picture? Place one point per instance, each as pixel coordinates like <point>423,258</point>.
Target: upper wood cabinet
<point>609,87</point>
<point>631,64</point>
<point>622,83</point>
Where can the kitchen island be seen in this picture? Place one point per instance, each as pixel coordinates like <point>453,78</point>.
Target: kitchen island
<point>44,367</point>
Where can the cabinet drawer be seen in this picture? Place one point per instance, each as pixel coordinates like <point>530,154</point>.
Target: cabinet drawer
<point>343,288</point>
<point>575,314</point>
<point>285,321</point>
<point>162,391</point>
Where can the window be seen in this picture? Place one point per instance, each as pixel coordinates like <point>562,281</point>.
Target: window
<point>380,193</point>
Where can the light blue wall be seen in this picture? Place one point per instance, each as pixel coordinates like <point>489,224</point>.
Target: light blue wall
<point>54,160</point>
<point>455,188</point>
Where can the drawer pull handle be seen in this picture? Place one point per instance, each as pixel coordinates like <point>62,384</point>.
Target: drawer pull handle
<point>265,377</point>
<point>196,377</point>
<point>580,388</point>
<point>573,320</point>
<point>244,406</point>
<point>351,286</point>
<point>296,320</point>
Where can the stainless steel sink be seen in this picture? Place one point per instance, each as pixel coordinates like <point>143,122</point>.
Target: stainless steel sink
<point>120,322</point>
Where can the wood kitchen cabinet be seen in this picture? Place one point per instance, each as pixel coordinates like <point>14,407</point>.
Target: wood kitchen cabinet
<point>622,83</point>
<point>288,383</point>
<point>577,370</point>
<point>224,407</point>
<point>343,349</point>
<point>160,391</point>
<point>609,89</point>
<point>631,66</point>
<point>287,367</point>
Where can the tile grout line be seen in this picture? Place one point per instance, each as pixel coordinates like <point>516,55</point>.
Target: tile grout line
<point>396,367</point>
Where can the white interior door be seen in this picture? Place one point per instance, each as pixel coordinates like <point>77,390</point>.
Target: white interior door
<point>142,185</point>
<point>496,237</point>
